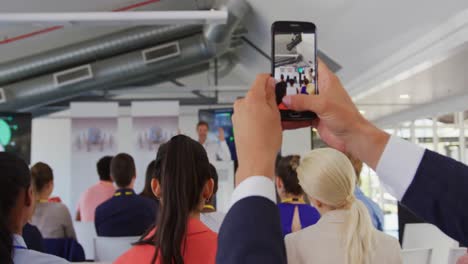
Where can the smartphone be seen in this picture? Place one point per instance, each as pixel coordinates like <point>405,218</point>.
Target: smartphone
<point>294,64</point>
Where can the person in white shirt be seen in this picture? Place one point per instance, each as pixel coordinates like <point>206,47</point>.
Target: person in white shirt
<point>291,90</point>
<point>216,150</point>
<point>16,205</point>
<point>210,216</point>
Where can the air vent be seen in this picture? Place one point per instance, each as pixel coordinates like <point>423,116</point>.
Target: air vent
<point>2,96</point>
<point>161,52</point>
<point>74,75</point>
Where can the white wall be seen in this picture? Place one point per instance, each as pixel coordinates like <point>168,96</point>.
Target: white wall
<point>51,143</point>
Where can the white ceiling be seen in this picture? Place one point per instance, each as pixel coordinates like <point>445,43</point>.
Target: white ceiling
<point>359,35</point>
<point>441,88</point>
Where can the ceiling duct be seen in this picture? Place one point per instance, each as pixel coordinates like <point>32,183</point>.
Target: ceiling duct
<point>91,50</point>
<point>108,73</point>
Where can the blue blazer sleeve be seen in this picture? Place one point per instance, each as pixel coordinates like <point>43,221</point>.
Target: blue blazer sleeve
<point>439,194</point>
<point>251,233</point>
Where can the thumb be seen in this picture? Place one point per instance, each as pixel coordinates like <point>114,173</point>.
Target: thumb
<point>302,102</point>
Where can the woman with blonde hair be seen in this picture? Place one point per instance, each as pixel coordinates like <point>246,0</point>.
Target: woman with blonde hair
<point>345,233</point>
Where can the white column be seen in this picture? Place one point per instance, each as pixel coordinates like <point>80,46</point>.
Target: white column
<point>413,138</point>
<point>435,134</point>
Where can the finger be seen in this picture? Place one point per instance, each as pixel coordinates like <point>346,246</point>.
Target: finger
<point>324,75</point>
<point>302,102</point>
<point>270,92</point>
<point>257,90</point>
<point>237,107</point>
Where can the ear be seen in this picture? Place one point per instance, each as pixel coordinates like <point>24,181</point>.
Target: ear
<point>279,182</point>
<point>29,197</point>
<point>208,189</point>
<point>156,187</point>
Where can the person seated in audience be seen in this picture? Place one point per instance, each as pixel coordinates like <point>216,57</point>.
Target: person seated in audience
<point>375,212</point>
<point>33,238</point>
<point>179,235</point>
<point>280,92</point>
<point>345,233</point>
<point>126,213</point>
<point>16,205</point>
<point>147,191</point>
<point>31,234</point>
<point>96,194</point>
<point>295,213</point>
<point>210,216</point>
<point>304,87</point>
<point>53,219</point>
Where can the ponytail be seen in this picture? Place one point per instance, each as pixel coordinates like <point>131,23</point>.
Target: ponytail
<point>15,177</point>
<point>328,176</point>
<point>358,234</point>
<point>183,174</point>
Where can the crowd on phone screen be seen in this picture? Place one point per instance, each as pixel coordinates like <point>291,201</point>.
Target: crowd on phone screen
<point>324,216</point>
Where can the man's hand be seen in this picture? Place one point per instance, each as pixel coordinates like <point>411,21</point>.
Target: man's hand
<point>221,134</point>
<point>339,124</point>
<point>257,130</point>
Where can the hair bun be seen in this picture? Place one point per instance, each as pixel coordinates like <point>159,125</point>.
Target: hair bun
<point>295,162</point>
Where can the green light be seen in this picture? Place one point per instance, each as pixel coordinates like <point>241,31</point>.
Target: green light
<point>5,133</point>
<point>300,70</point>
<point>231,138</point>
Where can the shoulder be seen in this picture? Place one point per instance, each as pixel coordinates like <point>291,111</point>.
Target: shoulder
<point>308,208</point>
<point>386,241</point>
<point>105,205</point>
<point>56,207</point>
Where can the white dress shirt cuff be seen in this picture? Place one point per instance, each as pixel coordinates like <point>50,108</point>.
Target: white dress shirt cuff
<point>398,165</point>
<point>254,186</point>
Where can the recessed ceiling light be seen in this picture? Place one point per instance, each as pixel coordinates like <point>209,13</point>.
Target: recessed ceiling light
<point>362,112</point>
<point>404,96</point>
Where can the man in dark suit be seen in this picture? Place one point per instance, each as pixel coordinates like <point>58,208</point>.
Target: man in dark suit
<point>431,185</point>
<point>125,214</point>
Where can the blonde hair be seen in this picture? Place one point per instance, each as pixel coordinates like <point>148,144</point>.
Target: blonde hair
<point>328,176</point>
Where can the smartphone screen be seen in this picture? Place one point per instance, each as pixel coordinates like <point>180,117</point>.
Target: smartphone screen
<point>294,64</point>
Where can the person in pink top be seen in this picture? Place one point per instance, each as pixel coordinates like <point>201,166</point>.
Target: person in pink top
<point>96,194</point>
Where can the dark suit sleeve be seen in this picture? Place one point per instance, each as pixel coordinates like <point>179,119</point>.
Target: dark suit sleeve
<point>251,233</point>
<point>439,194</point>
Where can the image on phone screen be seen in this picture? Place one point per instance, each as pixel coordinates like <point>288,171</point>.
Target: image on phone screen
<point>294,65</point>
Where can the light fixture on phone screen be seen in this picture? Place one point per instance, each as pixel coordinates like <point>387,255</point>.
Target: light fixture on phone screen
<point>362,112</point>
<point>404,96</point>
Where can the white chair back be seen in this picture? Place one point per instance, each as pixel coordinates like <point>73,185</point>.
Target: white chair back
<point>85,234</point>
<point>455,254</point>
<point>416,256</point>
<point>110,248</point>
<point>429,236</point>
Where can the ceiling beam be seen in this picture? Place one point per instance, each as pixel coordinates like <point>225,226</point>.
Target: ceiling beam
<point>140,18</point>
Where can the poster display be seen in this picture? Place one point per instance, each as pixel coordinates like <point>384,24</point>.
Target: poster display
<point>93,135</point>
<point>154,123</point>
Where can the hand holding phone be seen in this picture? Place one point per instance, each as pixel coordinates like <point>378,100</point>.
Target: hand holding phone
<point>294,64</point>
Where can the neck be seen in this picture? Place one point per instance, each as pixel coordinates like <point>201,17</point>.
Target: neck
<point>285,196</point>
<point>195,215</point>
<point>202,140</point>
<point>127,187</point>
<point>106,181</point>
<point>43,196</point>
